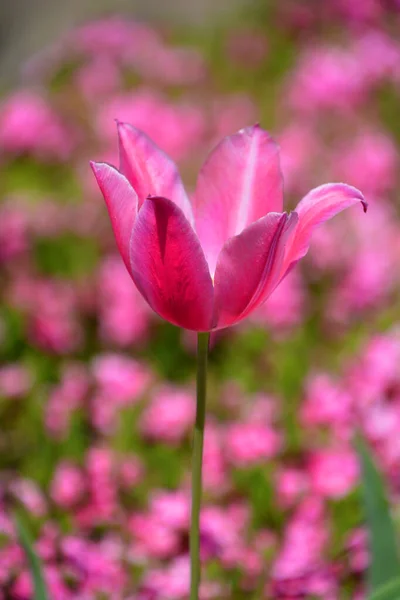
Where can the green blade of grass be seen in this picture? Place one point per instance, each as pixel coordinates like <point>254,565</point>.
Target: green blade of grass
<point>384,566</point>
<point>35,566</point>
<point>389,591</point>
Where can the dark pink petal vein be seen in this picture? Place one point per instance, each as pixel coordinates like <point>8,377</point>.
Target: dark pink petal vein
<point>169,267</point>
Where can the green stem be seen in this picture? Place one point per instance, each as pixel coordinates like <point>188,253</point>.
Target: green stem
<point>197,463</point>
<point>34,562</point>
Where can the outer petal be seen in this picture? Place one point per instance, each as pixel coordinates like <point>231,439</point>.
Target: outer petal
<point>150,171</point>
<point>249,267</point>
<point>121,200</point>
<point>240,182</point>
<point>318,206</point>
<point>169,267</point>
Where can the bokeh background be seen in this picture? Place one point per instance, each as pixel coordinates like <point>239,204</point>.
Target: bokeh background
<point>97,394</point>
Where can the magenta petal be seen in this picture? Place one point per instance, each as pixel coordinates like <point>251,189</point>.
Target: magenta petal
<point>239,183</point>
<point>121,200</point>
<point>318,206</point>
<point>249,267</point>
<point>150,171</point>
<point>169,267</point>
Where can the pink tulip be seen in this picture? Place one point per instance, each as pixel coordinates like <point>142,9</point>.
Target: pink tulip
<point>207,265</point>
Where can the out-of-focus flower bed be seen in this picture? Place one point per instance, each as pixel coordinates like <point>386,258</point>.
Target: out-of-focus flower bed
<point>97,395</point>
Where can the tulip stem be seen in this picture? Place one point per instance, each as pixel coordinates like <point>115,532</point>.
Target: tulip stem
<point>197,463</point>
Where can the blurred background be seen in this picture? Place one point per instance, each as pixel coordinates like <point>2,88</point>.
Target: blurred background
<point>26,27</point>
<point>97,394</point>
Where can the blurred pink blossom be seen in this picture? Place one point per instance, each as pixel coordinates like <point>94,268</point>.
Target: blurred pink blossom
<point>378,54</point>
<point>152,537</point>
<point>357,544</point>
<point>326,402</point>
<point>123,314</point>
<point>358,10</point>
<point>285,308</point>
<point>304,541</point>
<point>65,398</point>
<point>169,415</point>
<point>15,381</point>
<point>68,485</point>
<point>326,78</point>
<point>14,231</point>
<point>28,492</point>
<point>369,161</point>
<point>99,566</point>
<point>28,124</point>
<point>51,306</point>
<point>298,165</point>
<point>120,380</point>
<point>375,370</point>
<point>112,36</point>
<point>333,473</point>
<point>221,531</point>
<point>215,477</point>
<point>171,508</point>
<point>138,47</point>
<point>249,443</point>
<point>98,79</point>
<point>292,484</point>
<point>131,472</point>
<point>102,505</point>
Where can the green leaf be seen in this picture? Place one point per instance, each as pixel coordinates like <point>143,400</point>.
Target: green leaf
<point>385,565</point>
<point>33,560</point>
<point>389,591</point>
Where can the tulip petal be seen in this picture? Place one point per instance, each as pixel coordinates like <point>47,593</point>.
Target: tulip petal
<point>318,206</point>
<point>121,200</point>
<point>169,267</point>
<point>249,267</point>
<point>150,171</point>
<point>239,183</point>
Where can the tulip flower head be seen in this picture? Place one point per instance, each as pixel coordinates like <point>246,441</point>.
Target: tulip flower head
<point>208,263</point>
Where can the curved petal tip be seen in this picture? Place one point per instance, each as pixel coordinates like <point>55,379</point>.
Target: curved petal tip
<point>350,191</point>
<point>320,204</point>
